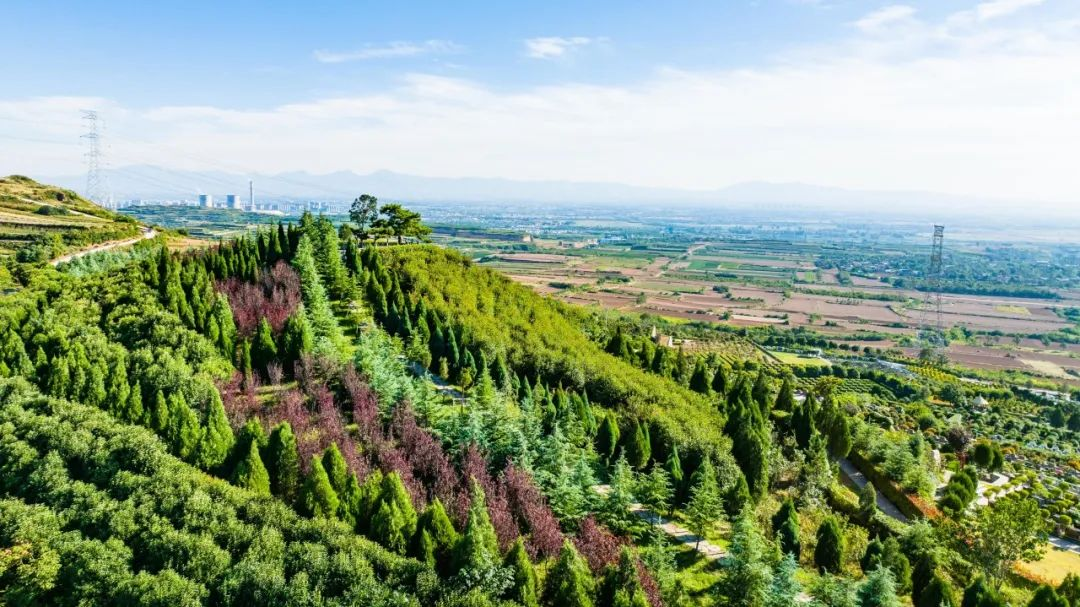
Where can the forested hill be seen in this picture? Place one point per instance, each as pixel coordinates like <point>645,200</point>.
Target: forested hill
<point>40,222</point>
<point>541,337</point>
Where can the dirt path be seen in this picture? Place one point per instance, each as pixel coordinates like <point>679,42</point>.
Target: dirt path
<point>440,384</point>
<point>147,234</point>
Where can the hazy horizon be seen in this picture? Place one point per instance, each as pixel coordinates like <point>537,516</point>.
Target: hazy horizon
<point>976,100</point>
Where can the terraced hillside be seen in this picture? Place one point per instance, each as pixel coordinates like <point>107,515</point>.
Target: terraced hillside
<point>39,222</point>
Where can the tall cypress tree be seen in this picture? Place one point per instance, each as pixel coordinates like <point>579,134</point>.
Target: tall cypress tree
<point>284,463</point>
<point>250,472</point>
<point>317,496</point>
<point>478,547</point>
<point>569,583</point>
<point>523,589</point>
<point>263,350</point>
<point>829,553</point>
<point>336,468</point>
<point>217,438</point>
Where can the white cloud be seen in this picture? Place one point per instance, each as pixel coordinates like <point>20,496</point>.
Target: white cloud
<point>981,110</point>
<point>1001,8</point>
<point>551,47</point>
<point>889,15</point>
<point>388,51</point>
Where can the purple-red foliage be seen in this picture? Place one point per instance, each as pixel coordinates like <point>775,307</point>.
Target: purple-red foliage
<point>365,404</point>
<point>239,400</point>
<point>275,297</point>
<point>533,514</point>
<point>430,464</point>
<point>391,459</point>
<point>599,547</point>
<point>506,526</point>
<point>473,466</point>
<point>648,584</point>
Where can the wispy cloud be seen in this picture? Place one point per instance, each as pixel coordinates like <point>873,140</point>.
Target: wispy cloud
<point>388,51</point>
<point>994,9</point>
<point>875,21</point>
<point>552,47</point>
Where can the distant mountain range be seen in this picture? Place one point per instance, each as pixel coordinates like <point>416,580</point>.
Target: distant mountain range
<point>152,182</point>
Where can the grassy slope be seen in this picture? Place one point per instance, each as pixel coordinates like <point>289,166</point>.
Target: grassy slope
<point>31,211</point>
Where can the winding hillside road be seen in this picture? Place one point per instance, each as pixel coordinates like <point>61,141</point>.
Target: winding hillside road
<point>147,234</point>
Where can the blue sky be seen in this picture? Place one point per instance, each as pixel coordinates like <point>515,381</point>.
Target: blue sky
<point>963,97</point>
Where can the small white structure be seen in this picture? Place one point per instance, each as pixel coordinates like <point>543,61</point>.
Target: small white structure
<point>980,401</point>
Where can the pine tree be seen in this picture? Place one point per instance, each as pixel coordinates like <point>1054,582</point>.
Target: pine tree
<point>441,533</point>
<point>620,495</point>
<point>159,414</point>
<point>395,519</point>
<point>184,430</point>
<point>621,586</point>
<point>637,448</point>
<point>785,400</point>
<point>317,496</point>
<point>720,382</point>
<point>250,472</point>
<point>829,553</point>
<point>336,468</point>
<point>705,506</point>
<point>297,338</point>
<point>133,408</point>
<point>607,437</point>
<point>700,381</point>
<point>675,473</point>
<point>349,499</point>
<point>328,337</point>
<point>263,350</point>
<point>217,438</point>
<point>1070,586</point>
<point>980,594</point>
<point>938,593</point>
<point>738,496</point>
<point>878,590</point>
<point>523,589</point>
<point>478,547</point>
<point>785,525</point>
<point>569,583</point>
<point>785,586</point>
<point>284,463</point>
<point>655,490</point>
<point>749,577</point>
<point>1046,596</point>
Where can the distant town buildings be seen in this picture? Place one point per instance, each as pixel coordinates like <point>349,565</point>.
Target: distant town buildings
<point>206,201</point>
<point>232,201</point>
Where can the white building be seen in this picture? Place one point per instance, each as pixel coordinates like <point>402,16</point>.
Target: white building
<point>232,201</point>
<point>206,201</point>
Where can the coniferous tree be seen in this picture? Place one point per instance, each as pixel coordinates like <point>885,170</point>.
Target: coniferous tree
<point>317,496</point>
<point>675,473</point>
<point>284,463</point>
<point>705,505</point>
<point>478,546</point>
<point>184,430</point>
<point>324,326</point>
<point>297,338</point>
<point>159,413</point>
<point>395,519</point>
<point>637,448</point>
<point>655,490</point>
<point>569,583</point>
<point>336,468</point>
<point>720,382</point>
<point>1070,586</point>
<point>217,437</point>
<point>621,586</point>
<point>700,381</point>
<point>829,553</point>
<point>785,587</point>
<point>349,501</point>
<point>441,533</point>
<point>133,408</point>
<point>878,590</point>
<point>785,399</point>
<point>250,472</point>
<point>620,495</point>
<point>981,594</point>
<point>749,576</point>
<point>938,593</point>
<point>607,437</point>
<point>785,525</point>
<point>263,350</point>
<point>1045,596</point>
<point>523,589</point>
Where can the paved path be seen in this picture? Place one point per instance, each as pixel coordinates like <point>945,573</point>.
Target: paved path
<point>147,234</point>
<point>1064,544</point>
<point>679,533</point>
<point>852,474</point>
<point>440,384</point>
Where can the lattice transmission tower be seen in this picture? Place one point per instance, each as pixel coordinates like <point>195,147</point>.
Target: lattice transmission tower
<point>933,334</point>
<point>97,184</point>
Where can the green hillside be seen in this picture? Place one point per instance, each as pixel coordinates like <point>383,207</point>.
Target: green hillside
<point>39,222</point>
